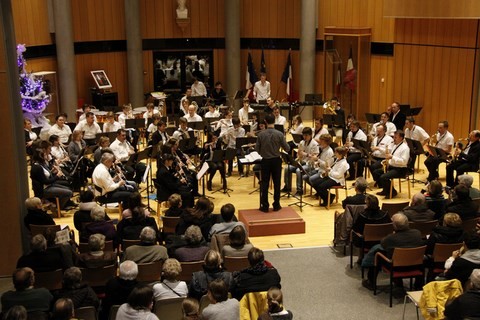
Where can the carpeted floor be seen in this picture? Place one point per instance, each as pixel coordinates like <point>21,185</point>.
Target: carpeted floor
<point>317,283</point>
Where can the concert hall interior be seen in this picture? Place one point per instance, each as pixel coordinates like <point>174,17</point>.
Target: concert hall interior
<point>115,71</point>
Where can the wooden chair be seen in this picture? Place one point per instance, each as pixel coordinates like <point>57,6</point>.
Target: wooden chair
<point>392,208</point>
<point>336,188</point>
<point>188,268</point>
<point>40,229</point>
<point>235,263</point>
<point>372,233</point>
<point>86,313</point>
<point>424,227</point>
<point>51,280</point>
<point>405,263</point>
<point>169,224</point>
<point>37,188</point>
<point>441,252</point>
<point>218,241</point>
<point>415,297</point>
<point>469,225</point>
<point>98,277</point>
<point>83,247</point>
<point>407,179</point>
<point>204,302</point>
<point>149,272</point>
<point>169,308</point>
<point>127,243</point>
<point>113,312</point>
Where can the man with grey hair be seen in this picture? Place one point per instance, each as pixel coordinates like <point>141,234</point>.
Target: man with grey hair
<point>148,250</point>
<point>467,180</point>
<point>403,237</point>
<point>99,225</point>
<point>361,186</point>
<point>466,159</point>
<point>418,210</point>
<point>97,257</point>
<point>468,304</point>
<point>41,259</point>
<point>194,250</point>
<point>118,289</point>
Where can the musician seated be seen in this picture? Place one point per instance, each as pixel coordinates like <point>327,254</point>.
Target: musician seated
<point>133,135</point>
<point>89,127</point>
<point>151,111</point>
<point>465,160</point>
<point>279,119</point>
<point>30,136</point>
<point>103,144</point>
<point>297,128</point>
<point>226,123</point>
<point>152,127</point>
<point>320,162</point>
<point>244,111</point>
<point>354,154</point>
<point>123,150</point>
<point>396,163</point>
<point>319,130</point>
<point>335,176</point>
<point>60,129</point>
<point>379,147</point>
<point>60,155</point>
<point>183,162</point>
<point>113,189</point>
<point>212,111</point>
<point>192,115</point>
<point>160,135</point>
<point>167,178</point>
<point>219,95</point>
<point>213,167</point>
<point>86,108</point>
<point>417,133</point>
<point>307,149</point>
<point>185,102</point>
<point>384,119</point>
<point>111,125</point>
<point>229,138</point>
<point>444,140</point>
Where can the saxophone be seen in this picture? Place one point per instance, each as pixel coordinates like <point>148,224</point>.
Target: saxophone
<point>385,162</point>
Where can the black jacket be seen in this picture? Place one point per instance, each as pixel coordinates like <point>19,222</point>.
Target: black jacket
<point>444,234</point>
<point>38,217</point>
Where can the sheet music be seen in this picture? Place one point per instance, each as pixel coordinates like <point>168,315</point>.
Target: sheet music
<point>252,157</point>
<point>202,171</point>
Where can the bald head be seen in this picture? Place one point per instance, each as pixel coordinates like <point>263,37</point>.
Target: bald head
<point>418,199</point>
<point>400,222</point>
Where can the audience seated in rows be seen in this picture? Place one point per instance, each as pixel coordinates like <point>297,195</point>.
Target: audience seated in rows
<point>148,250</point>
<point>418,210</point>
<point>238,246</point>
<point>41,259</point>
<point>82,295</point>
<point>275,310</point>
<point>17,312</point>
<point>175,206</point>
<point>435,199</point>
<point>170,287</point>
<point>82,216</point>
<point>361,186</point>
<point>228,214</point>
<point>35,214</point>
<point>195,249</point>
<point>212,269</point>
<point>200,215</point>
<point>119,288</point>
<point>260,276</point>
<point>463,261</point>
<point>63,309</point>
<point>450,231</point>
<point>96,257</point>
<point>139,305</point>
<point>371,215</point>
<point>34,300</point>
<point>466,306</point>
<point>98,225</point>
<point>462,204</point>
<point>220,307</point>
<point>467,180</point>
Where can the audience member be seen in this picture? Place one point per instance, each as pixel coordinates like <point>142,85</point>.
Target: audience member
<point>190,309</point>
<point>221,307</point>
<point>16,313</point>
<point>228,213</point>
<point>40,259</point>
<point>260,276</point>
<point>175,203</point>
<point>371,215</point>
<point>97,257</point>
<point>418,210</point>
<point>170,287</point>
<point>435,199</point>
<point>63,309</point>
<point>135,203</point>
<point>275,309</point>
<point>238,246</point>
<point>466,306</point>
<point>148,250</point>
<point>35,214</point>
<point>450,231</point>
<point>130,228</point>
<point>98,225</point>
<point>82,216</point>
<point>195,249</point>
<point>467,180</point>
<point>361,186</point>
<point>34,300</point>
<point>139,305</point>
<point>200,215</point>
<point>462,204</point>
<point>212,269</point>
<point>81,294</point>
<point>465,260</point>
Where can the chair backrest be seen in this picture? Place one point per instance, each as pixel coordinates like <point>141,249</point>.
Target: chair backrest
<point>150,272</point>
<point>443,251</point>
<point>113,312</point>
<point>469,225</point>
<point>425,227</point>
<point>403,257</point>
<point>235,263</point>
<point>98,277</point>
<point>128,243</point>
<point>86,313</point>
<point>188,268</point>
<point>83,246</point>
<point>218,241</point>
<point>393,208</point>
<point>376,232</point>
<point>51,280</point>
<point>204,302</point>
<point>40,229</point>
<point>169,224</point>
<point>169,308</point>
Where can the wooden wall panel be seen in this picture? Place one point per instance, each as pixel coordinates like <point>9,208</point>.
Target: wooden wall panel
<point>381,93</point>
<point>433,9</point>
<point>31,22</point>
<point>441,83</point>
<point>148,71</point>
<point>354,13</point>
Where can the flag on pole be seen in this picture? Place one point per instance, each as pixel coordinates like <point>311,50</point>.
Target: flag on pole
<point>251,76</point>
<point>263,66</point>
<point>287,74</point>
<point>338,84</point>
<point>351,73</point>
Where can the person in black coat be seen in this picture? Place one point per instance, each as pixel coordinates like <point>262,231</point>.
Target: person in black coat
<point>397,117</point>
<point>465,262</point>
<point>82,216</point>
<point>35,214</point>
<point>466,306</point>
<point>462,204</point>
<point>41,259</point>
<point>160,135</point>
<point>170,184</point>
<point>371,215</point>
<point>81,294</point>
<point>451,231</point>
<point>466,160</point>
<point>359,198</point>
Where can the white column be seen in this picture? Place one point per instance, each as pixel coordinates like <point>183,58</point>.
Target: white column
<point>307,52</point>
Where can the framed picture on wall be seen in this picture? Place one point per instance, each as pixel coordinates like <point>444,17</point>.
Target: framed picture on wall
<point>101,79</point>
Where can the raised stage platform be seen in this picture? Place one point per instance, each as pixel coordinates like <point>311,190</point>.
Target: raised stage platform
<point>285,221</point>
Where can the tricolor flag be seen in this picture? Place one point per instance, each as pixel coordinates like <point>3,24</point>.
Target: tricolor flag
<point>351,73</point>
<point>287,74</point>
<point>338,83</point>
<point>263,66</point>
<point>251,76</point>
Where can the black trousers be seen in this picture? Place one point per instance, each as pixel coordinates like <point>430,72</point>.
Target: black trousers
<point>432,164</point>
<point>461,167</point>
<point>384,179</point>
<point>351,159</point>
<point>271,168</point>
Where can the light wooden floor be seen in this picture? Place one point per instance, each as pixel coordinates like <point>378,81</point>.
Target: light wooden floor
<point>319,220</point>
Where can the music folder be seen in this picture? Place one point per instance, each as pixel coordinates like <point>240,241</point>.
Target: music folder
<point>288,159</point>
<point>415,146</point>
<point>280,128</point>
<point>134,123</point>
<point>196,125</point>
<point>363,146</point>
<point>372,117</point>
<point>297,137</point>
<point>437,152</point>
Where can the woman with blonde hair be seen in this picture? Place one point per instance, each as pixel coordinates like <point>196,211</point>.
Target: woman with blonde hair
<point>275,311</point>
<point>450,231</point>
<point>170,287</point>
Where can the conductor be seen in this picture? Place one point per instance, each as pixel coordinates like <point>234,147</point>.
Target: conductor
<point>268,146</point>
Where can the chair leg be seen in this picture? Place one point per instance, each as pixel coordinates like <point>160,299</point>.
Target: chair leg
<point>336,195</point>
<point>408,183</point>
<point>404,306</point>
<point>391,188</point>
<point>351,255</point>
<point>391,289</point>
<point>328,199</point>
<point>59,211</point>
<point>400,186</point>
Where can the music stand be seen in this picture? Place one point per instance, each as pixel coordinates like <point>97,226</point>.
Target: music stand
<point>372,117</point>
<point>197,99</point>
<point>280,128</point>
<point>364,148</point>
<point>416,148</point>
<point>196,125</point>
<point>329,119</point>
<point>221,156</point>
<point>291,161</point>
<point>297,137</point>
<point>414,111</point>
<point>186,144</point>
<point>111,136</point>
<point>288,160</point>
<point>247,128</point>
<point>134,123</point>
<point>201,175</point>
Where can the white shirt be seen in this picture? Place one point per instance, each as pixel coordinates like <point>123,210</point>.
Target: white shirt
<point>280,120</point>
<point>230,136</point>
<point>319,133</point>
<point>162,290</point>
<point>147,115</point>
<point>243,114</point>
<point>198,89</point>
<point>89,131</point>
<point>223,125</point>
<point>121,150</point>
<point>152,128</point>
<point>417,133</point>
<point>101,177</point>
<point>179,133</point>
<point>59,152</point>
<point>309,149</point>
<point>360,135</point>
<point>338,169</point>
<point>327,156</point>
<point>297,130</point>
<point>84,115</point>
<point>111,127</point>
<point>391,128</point>
<point>194,118</point>
<point>261,91</point>
<point>214,114</point>
<point>63,133</point>
<point>444,141</point>
<point>381,143</point>
<point>400,155</point>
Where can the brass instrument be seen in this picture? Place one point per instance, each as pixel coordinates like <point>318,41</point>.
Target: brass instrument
<point>327,171</point>
<point>385,162</point>
<point>433,139</point>
<point>328,108</point>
